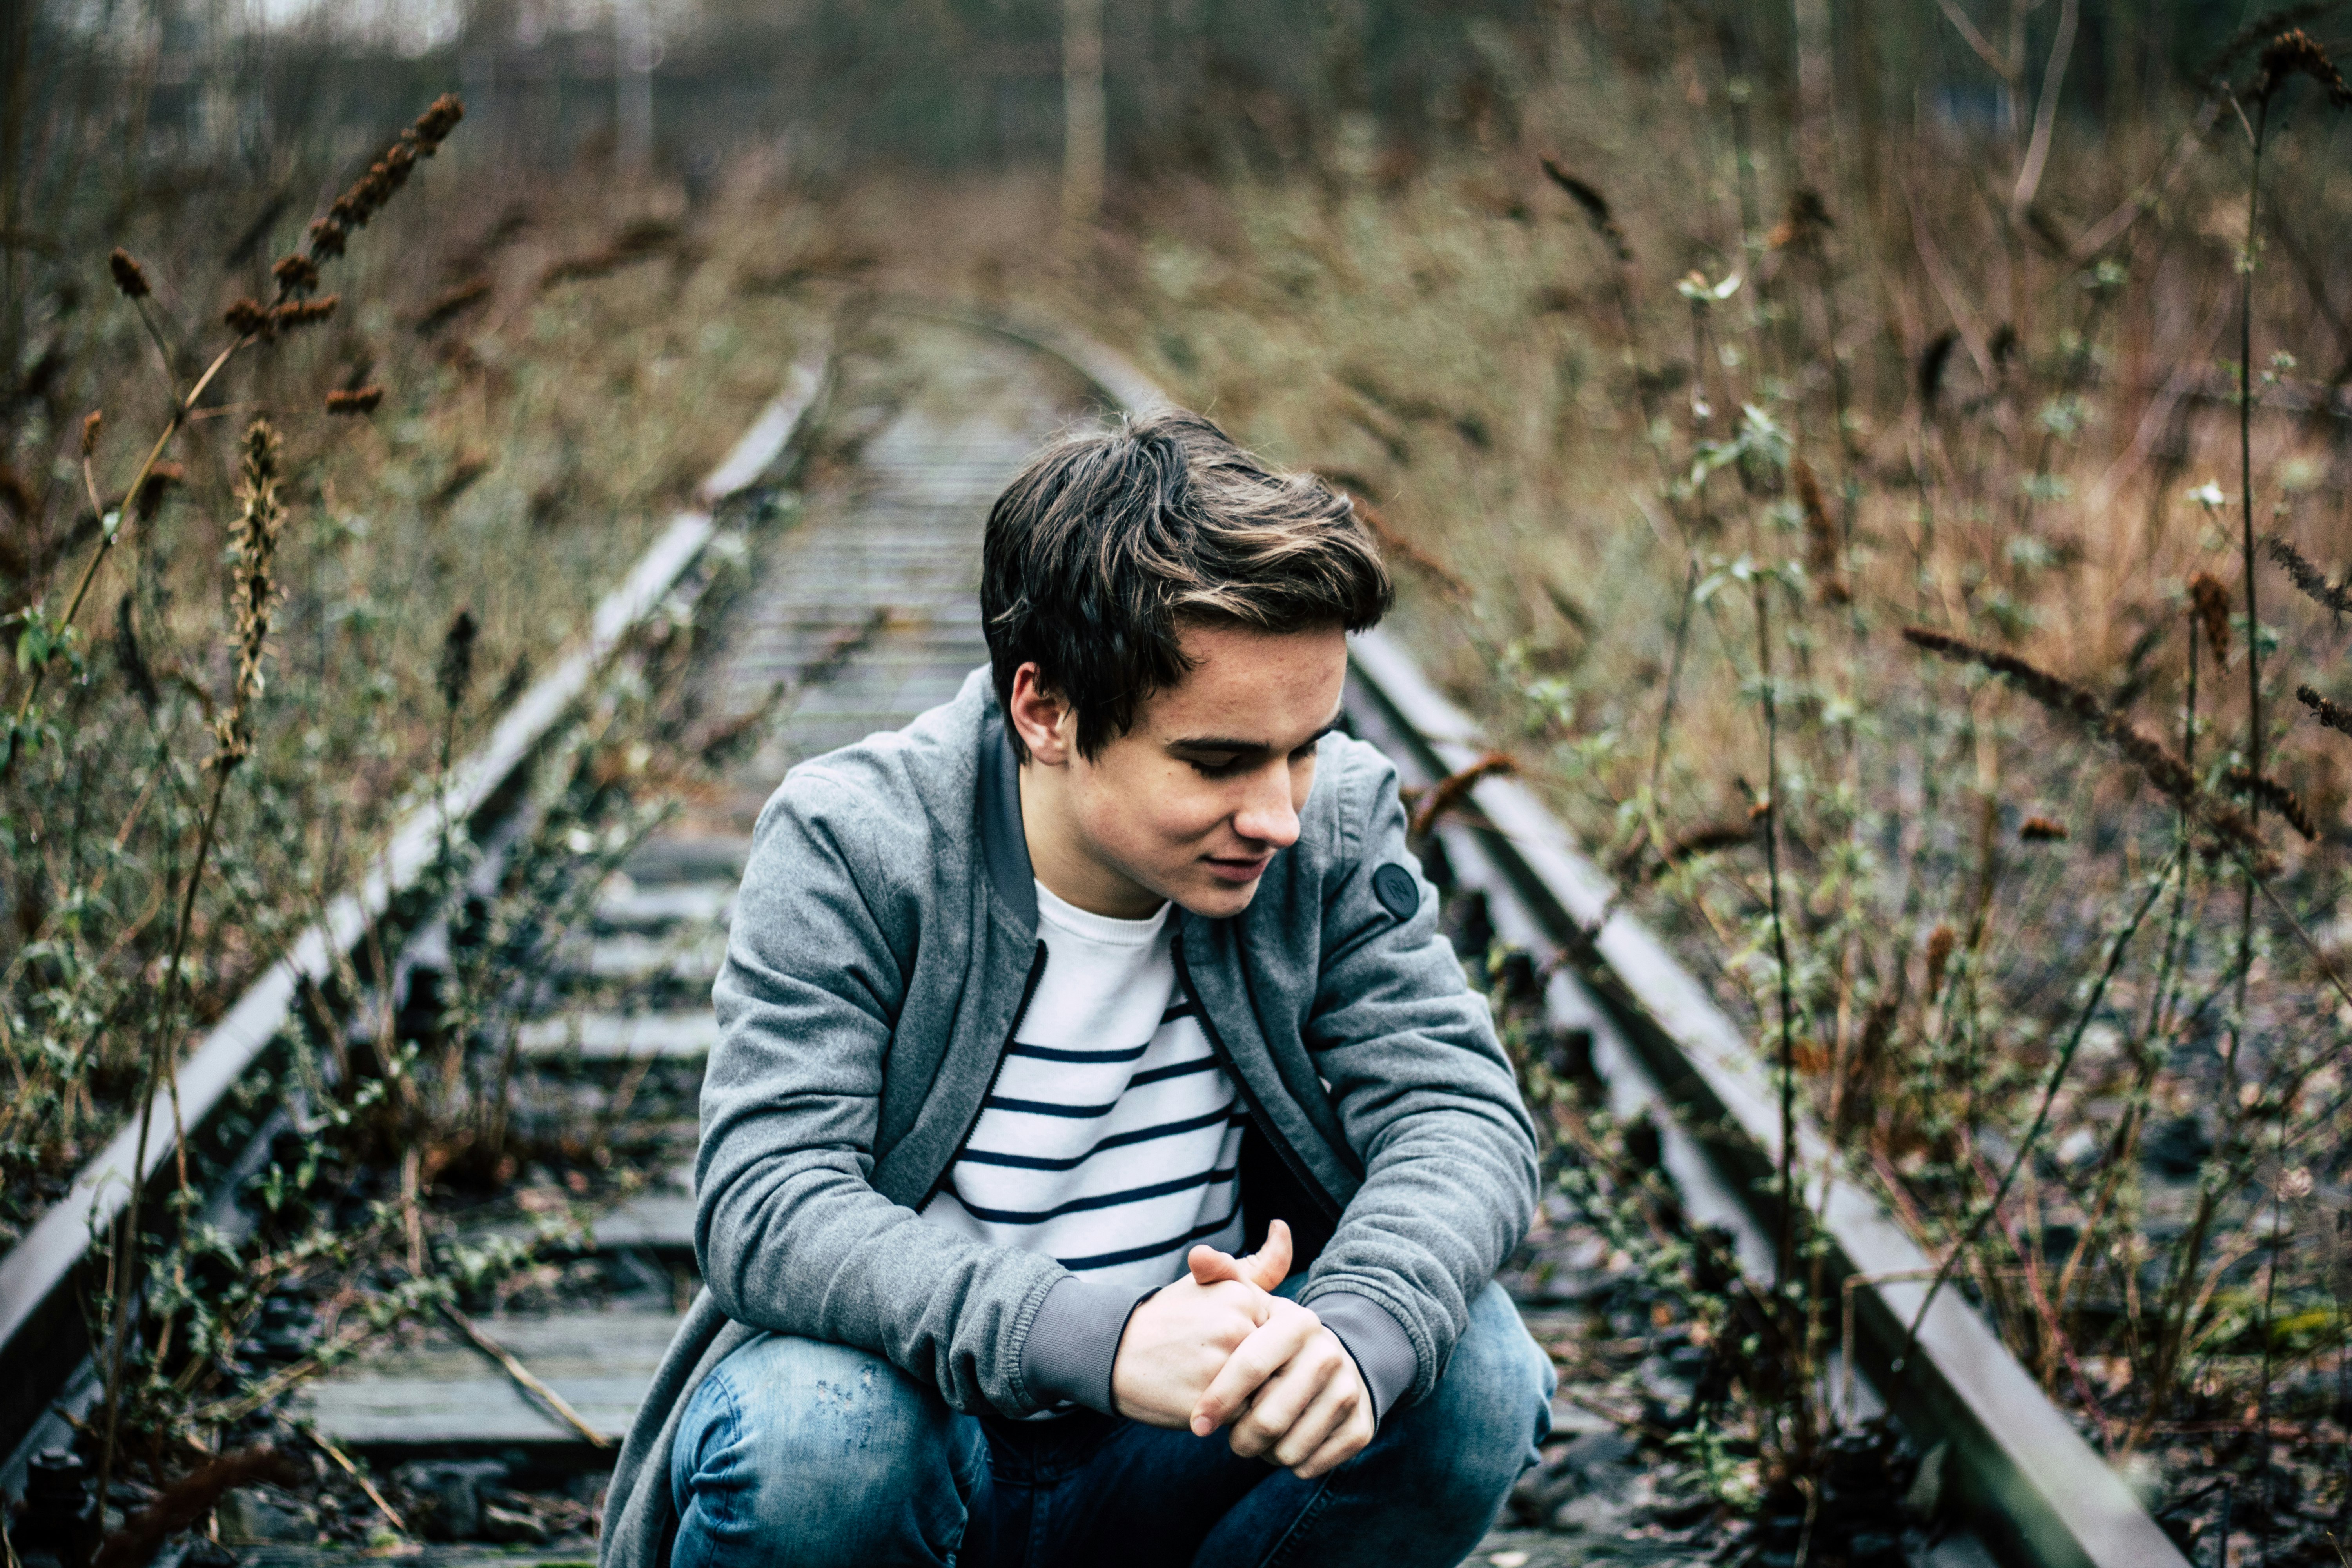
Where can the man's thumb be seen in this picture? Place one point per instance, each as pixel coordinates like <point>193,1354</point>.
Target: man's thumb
<point>1209,1266</point>
<point>1269,1266</point>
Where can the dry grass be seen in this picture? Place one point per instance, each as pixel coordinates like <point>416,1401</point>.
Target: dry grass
<point>1560,374</point>
<point>1668,479</point>
<point>506,458</point>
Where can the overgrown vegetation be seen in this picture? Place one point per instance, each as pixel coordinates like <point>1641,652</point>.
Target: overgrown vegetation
<point>513,439</point>
<point>1866,504</point>
<point>1684,421</point>
<point>277,558</point>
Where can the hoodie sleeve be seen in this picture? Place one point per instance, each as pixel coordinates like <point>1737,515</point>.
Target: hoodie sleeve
<point>789,1231</point>
<point>1423,1092</point>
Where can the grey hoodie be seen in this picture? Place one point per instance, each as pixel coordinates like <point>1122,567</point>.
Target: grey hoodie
<point>884,943</point>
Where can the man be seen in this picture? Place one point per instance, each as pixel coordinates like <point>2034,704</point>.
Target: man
<point>1040,1011</point>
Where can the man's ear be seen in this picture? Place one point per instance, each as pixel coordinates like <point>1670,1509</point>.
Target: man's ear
<point>1043,721</point>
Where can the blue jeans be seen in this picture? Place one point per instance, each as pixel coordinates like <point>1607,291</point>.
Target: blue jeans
<point>798,1453</point>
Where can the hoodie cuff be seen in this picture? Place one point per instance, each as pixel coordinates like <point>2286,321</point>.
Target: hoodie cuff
<point>1384,1353</point>
<point>1074,1340</point>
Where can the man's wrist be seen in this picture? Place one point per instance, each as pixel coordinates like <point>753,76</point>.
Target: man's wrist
<point>1073,1342</point>
<point>1376,1341</point>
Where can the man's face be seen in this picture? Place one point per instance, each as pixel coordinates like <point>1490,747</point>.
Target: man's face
<point>1192,802</point>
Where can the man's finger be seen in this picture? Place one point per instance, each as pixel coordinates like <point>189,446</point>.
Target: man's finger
<point>1254,1303</point>
<point>1333,1403</point>
<point>1286,1398</point>
<point>1257,1358</point>
<point>1340,1447</point>
<point>1211,1269</point>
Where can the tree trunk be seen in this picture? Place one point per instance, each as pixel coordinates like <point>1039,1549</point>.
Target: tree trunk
<point>1082,121</point>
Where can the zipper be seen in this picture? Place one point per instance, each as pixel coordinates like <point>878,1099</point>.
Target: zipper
<point>1258,1117</point>
<point>1028,991</point>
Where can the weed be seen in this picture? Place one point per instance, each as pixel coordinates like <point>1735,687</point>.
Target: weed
<point>2062,1039</point>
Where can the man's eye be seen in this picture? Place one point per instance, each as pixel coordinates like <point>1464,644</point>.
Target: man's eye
<point>1230,768</point>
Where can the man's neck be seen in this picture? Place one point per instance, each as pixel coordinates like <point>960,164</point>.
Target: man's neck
<point>1059,858</point>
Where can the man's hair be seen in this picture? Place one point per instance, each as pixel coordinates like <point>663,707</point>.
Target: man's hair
<point>1105,544</point>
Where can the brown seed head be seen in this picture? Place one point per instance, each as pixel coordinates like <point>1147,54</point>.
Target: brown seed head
<point>2308,579</point>
<point>440,118</point>
<point>1596,209</point>
<point>1808,220</point>
<point>2297,53</point>
<point>253,540</point>
<point>91,423</point>
<point>1394,544</point>
<point>128,654</point>
<point>1940,943</point>
<point>2159,766</point>
<point>129,276</point>
<point>456,672</point>
<point>512,684</point>
<point>1704,840</point>
<point>362,401</point>
<point>296,274</point>
<point>368,194</point>
<point>160,482</point>
<point>1934,360</point>
<point>248,318</point>
<point>452,302</point>
<point>1821,534</point>
<point>2042,830</point>
<point>291,313</point>
<point>2210,602</point>
<point>2278,797</point>
<point>2334,715</point>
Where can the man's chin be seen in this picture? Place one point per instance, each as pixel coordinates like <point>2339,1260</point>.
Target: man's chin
<point>1217,901</point>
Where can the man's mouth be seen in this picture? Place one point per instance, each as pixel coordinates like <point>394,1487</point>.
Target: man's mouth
<point>1238,869</point>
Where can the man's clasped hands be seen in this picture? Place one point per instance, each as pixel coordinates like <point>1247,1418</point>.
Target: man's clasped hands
<point>1218,1347</point>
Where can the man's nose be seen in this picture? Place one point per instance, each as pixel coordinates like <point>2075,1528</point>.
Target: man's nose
<point>1267,816</point>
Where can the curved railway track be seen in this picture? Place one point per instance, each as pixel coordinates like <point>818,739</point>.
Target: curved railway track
<point>888,454</point>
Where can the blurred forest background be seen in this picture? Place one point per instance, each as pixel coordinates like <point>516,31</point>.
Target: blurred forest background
<point>1684,352</point>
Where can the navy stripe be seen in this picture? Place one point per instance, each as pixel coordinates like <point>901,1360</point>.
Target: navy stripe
<point>1047,1106</point>
<point>1180,1069</point>
<point>1102,1201</point>
<point>1225,1112</point>
<point>1180,1010</point>
<point>1138,1254</point>
<point>1048,1054</point>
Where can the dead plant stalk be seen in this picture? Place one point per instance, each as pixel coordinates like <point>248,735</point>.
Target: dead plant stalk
<point>255,541</point>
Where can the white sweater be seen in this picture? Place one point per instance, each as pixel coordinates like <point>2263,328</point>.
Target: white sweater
<point>1110,1137</point>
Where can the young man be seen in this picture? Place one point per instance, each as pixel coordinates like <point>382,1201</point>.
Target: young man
<point>1103,1160</point>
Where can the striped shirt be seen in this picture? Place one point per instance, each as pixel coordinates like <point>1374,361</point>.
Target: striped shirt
<point>1110,1137</point>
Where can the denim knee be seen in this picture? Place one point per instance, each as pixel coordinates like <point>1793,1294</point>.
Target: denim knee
<point>1490,1413</point>
<point>794,1452</point>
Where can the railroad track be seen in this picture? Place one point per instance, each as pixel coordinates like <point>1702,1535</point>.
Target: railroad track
<point>891,450</point>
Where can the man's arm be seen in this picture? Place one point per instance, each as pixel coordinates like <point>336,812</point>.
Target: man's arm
<point>1425,1096</point>
<point>790,1234</point>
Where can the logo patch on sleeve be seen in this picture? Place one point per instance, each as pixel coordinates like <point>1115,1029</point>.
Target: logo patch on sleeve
<point>1395,889</point>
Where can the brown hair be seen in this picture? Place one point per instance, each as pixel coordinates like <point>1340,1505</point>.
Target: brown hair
<point>1107,543</point>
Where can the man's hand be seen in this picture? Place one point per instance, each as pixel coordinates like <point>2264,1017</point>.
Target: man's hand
<point>1300,1401</point>
<point>1176,1343</point>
